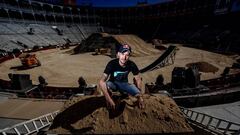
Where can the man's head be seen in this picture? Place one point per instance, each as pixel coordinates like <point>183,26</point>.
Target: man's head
<point>124,48</point>
<point>123,54</point>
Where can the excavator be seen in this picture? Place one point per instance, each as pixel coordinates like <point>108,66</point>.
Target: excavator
<point>29,60</point>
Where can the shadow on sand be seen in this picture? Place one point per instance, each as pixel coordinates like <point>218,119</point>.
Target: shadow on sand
<point>21,67</point>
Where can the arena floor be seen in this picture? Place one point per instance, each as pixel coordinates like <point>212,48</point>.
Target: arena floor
<point>60,68</point>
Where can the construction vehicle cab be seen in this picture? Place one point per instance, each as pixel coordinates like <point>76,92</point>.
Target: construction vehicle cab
<point>100,51</point>
<point>29,60</point>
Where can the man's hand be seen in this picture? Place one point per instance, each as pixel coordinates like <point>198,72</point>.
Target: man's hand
<point>110,104</point>
<point>106,93</point>
<point>140,102</point>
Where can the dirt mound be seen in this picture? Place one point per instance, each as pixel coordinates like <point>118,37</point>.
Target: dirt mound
<point>139,46</point>
<point>113,42</point>
<point>90,115</point>
<point>204,67</point>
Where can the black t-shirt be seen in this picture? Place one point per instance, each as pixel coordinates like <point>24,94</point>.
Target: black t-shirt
<point>119,73</point>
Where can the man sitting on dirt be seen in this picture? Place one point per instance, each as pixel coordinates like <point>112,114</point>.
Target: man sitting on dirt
<point>117,71</point>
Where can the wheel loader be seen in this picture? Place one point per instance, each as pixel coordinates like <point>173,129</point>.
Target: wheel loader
<point>29,60</point>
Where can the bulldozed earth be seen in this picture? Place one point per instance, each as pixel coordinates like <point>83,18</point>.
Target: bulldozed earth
<point>89,115</point>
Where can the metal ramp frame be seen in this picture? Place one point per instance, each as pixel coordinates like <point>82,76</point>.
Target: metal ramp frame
<point>30,126</point>
<point>165,59</point>
<point>213,124</point>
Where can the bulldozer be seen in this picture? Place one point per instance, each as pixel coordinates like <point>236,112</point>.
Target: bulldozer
<point>29,60</point>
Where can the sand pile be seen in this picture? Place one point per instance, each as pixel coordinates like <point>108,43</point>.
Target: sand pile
<point>204,66</point>
<point>89,114</point>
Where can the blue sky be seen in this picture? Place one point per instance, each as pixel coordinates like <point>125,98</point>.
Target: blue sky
<point>117,3</point>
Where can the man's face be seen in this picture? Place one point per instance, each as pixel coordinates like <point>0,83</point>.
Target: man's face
<point>123,57</point>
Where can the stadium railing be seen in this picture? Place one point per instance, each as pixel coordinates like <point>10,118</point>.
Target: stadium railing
<point>30,126</point>
<point>213,124</point>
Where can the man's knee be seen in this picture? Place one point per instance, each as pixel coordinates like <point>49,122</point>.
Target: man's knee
<point>111,86</point>
<point>133,90</point>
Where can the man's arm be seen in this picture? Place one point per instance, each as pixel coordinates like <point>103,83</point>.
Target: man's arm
<point>103,85</point>
<point>138,83</point>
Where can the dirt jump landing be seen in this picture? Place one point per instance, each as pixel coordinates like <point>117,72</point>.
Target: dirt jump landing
<point>89,115</point>
<point>139,46</point>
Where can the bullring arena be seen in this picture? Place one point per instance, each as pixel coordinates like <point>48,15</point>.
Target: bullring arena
<point>60,68</point>
<point>53,54</point>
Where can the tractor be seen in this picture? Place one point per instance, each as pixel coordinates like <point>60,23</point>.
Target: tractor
<point>29,60</point>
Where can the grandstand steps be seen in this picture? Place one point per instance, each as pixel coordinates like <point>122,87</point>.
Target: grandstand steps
<point>77,32</point>
<point>41,32</point>
<point>67,33</point>
<point>74,34</point>
<point>6,44</point>
<point>80,28</point>
<point>46,32</point>
<point>20,36</point>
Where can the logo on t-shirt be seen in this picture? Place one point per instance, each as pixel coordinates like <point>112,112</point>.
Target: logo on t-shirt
<point>120,76</point>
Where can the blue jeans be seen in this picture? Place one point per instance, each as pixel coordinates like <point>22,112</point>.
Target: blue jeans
<point>123,87</point>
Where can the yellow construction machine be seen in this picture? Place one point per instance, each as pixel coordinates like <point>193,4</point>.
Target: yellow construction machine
<point>29,60</point>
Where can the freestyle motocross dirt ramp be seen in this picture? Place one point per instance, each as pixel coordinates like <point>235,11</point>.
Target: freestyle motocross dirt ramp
<point>162,60</point>
<point>89,115</point>
<point>104,40</point>
<point>139,47</point>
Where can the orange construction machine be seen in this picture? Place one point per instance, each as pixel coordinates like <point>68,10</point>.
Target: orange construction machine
<point>29,60</point>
